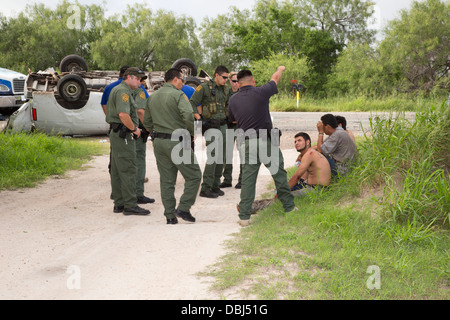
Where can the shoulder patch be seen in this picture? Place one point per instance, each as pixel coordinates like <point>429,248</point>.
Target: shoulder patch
<point>198,88</point>
<point>142,95</point>
<point>125,97</point>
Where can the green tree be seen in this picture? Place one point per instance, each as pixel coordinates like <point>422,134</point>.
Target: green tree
<point>274,30</point>
<point>40,37</point>
<point>417,46</point>
<point>152,41</point>
<point>216,35</point>
<point>345,20</point>
<point>358,71</point>
<point>296,69</point>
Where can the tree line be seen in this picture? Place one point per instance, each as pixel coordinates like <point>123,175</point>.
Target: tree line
<point>327,45</point>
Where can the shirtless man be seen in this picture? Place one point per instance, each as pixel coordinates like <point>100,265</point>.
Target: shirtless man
<point>314,171</point>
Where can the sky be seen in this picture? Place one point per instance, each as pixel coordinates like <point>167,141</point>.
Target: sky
<point>385,10</point>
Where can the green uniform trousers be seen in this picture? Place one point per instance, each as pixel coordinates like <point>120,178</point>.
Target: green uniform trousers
<point>168,172</point>
<point>123,170</point>
<point>213,169</point>
<point>228,166</point>
<point>141,149</point>
<point>250,171</point>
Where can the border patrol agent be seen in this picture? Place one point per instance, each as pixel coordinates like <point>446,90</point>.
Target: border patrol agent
<point>140,97</point>
<point>250,108</point>
<point>228,166</point>
<point>122,116</point>
<point>167,110</point>
<point>213,97</point>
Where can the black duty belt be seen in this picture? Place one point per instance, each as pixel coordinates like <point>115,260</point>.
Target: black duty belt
<point>163,135</point>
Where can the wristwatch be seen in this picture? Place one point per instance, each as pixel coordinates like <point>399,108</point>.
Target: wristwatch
<point>135,129</point>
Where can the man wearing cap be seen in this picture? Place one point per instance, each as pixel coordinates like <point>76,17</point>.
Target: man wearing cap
<point>168,116</point>
<point>213,97</point>
<point>250,109</point>
<point>122,116</point>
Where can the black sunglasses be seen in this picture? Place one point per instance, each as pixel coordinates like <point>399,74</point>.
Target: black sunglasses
<point>233,80</point>
<point>181,78</point>
<point>224,77</point>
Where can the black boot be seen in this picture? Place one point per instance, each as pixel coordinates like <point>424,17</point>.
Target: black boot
<point>186,216</point>
<point>138,211</point>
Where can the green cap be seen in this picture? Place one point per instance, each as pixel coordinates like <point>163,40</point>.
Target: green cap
<point>133,71</point>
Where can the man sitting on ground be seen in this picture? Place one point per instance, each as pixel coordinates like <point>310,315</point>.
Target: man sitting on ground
<point>342,122</point>
<point>314,171</point>
<point>338,146</point>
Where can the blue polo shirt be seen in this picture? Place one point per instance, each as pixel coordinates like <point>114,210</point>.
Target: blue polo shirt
<point>110,86</point>
<point>188,90</point>
<point>250,106</point>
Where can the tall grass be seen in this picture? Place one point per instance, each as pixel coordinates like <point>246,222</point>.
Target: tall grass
<point>26,159</point>
<point>411,162</point>
<point>389,214</point>
<point>351,104</point>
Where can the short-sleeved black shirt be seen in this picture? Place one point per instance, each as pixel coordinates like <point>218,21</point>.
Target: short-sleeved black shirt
<point>250,106</point>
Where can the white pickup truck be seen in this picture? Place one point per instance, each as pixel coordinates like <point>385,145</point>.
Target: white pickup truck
<point>12,87</point>
<point>68,102</point>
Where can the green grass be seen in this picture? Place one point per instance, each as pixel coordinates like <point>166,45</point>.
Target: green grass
<point>350,104</point>
<point>389,214</point>
<point>27,159</point>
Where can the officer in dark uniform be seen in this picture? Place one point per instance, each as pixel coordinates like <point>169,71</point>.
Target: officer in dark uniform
<point>167,112</point>
<point>250,108</point>
<point>122,116</point>
<point>213,97</point>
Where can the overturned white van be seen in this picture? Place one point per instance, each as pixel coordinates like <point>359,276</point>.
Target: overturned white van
<point>68,103</point>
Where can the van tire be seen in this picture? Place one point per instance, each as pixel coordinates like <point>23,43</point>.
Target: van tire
<point>73,63</point>
<point>71,88</point>
<point>187,66</point>
<point>192,82</point>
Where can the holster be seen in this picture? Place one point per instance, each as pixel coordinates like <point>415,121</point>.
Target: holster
<point>115,126</point>
<point>214,123</point>
<point>144,135</point>
<point>123,132</point>
<point>206,124</point>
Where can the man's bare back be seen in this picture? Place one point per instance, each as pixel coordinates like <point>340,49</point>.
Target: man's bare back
<point>314,167</point>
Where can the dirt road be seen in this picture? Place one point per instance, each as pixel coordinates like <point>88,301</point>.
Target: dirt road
<point>61,240</point>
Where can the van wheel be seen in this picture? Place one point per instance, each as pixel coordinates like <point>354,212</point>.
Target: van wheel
<point>73,63</point>
<point>71,87</point>
<point>187,66</point>
<point>193,82</point>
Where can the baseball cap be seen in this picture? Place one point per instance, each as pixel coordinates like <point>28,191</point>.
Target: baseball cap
<point>133,71</point>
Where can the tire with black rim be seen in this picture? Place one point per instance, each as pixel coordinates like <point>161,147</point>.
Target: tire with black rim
<point>187,66</point>
<point>192,82</point>
<point>71,88</point>
<point>73,63</point>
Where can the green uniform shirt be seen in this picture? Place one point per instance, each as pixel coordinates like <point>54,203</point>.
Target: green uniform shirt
<point>121,100</point>
<point>140,99</point>
<point>167,110</point>
<point>215,106</point>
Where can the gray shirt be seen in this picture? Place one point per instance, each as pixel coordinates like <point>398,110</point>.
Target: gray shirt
<point>340,146</point>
